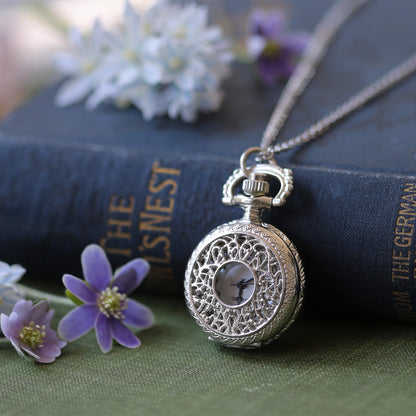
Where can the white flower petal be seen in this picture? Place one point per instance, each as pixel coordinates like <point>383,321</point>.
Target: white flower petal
<point>10,274</point>
<point>9,295</point>
<point>132,22</point>
<point>128,76</point>
<point>16,272</point>
<point>73,91</point>
<point>101,94</point>
<point>97,38</point>
<point>112,40</point>
<point>153,46</point>
<point>152,72</point>
<point>4,271</point>
<point>66,63</point>
<point>255,45</point>
<point>188,114</point>
<point>77,40</point>
<point>165,60</point>
<point>186,81</point>
<point>212,34</point>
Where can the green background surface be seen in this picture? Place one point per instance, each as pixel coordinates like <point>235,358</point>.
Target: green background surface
<point>318,367</point>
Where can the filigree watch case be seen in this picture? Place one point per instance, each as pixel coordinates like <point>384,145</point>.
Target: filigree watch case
<point>244,281</point>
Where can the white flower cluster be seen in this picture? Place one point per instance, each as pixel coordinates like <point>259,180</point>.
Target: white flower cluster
<point>167,60</point>
<point>9,292</point>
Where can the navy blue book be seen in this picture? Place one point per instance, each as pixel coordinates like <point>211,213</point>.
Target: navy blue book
<point>153,189</point>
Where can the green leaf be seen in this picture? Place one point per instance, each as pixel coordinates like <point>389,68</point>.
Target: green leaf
<point>73,298</point>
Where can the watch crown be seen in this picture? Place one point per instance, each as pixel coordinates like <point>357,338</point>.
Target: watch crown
<point>255,185</point>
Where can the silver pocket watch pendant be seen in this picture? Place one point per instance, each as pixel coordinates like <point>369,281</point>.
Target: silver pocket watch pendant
<point>244,281</point>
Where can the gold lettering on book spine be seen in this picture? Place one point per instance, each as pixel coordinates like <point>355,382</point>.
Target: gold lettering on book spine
<point>118,237</point>
<point>152,225</point>
<point>155,224</point>
<point>403,260</point>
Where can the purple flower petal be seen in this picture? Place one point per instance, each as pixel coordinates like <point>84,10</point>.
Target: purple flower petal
<point>49,349</point>
<point>78,322</point>
<point>96,268</point>
<point>282,49</point>
<point>44,350</point>
<point>123,335</point>
<point>23,308</point>
<point>269,70</point>
<point>52,337</point>
<point>46,359</point>
<point>295,43</point>
<point>271,25</point>
<point>137,315</point>
<point>46,320</point>
<point>128,277</point>
<point>78,288</point>
<point>104,333</point>
<point>15,323</point>
<point>39,314</point>
<point>17,346</point>
<point>29,351</point>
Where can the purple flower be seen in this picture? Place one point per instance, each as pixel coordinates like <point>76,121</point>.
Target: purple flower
<point>275,50</point>
<point>106,306</point>
<point>28,329</point>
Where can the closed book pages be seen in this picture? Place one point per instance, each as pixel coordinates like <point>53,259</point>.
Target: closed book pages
<point>153,189</point>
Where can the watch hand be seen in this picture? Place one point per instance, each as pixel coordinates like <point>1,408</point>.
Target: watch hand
<point>242,285</point>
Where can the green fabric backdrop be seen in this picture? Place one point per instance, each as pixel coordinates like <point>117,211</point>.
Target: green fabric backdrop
<point>317,368</point>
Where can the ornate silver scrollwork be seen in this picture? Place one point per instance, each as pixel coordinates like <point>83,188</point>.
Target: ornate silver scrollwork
<point>277,294</point>
<point>244,281</point>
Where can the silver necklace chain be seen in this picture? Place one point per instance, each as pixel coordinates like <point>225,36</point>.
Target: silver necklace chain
<point>316,49</point>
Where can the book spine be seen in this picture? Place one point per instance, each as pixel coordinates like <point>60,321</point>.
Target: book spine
<point>354,231</point>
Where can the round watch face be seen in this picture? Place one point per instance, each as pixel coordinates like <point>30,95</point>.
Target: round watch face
<point>234,283</point>
<point>244,283</point>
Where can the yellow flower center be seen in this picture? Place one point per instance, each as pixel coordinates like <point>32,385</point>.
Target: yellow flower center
<point>147,28</point>
<point>180,32</point>
<point>87,66</point>
<point>112,303</point>
<point>271,49</point>
<point>32,335</point>
<point>130,55</point>
<point>176,63</point>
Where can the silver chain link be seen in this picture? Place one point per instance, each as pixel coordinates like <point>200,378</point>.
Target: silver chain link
<point>316,49</point>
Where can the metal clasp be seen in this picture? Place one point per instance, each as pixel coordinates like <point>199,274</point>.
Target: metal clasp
<point>263,155</point>
<point>256,185</point>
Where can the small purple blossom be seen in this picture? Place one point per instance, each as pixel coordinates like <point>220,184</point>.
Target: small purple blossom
<point>28,329</point>
<point>105,303</point>
<point>275,50</point>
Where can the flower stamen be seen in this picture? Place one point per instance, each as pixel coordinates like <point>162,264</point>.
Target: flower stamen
<point>130,55</point>
<point>32,335</point>
<point>271,49</point>
<point>87,66</point>
<point>176,63</point>
<point>112,303</point>
<point>180,32</point>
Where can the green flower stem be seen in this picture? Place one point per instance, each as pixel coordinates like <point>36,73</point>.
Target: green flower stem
<point>39,294</point>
